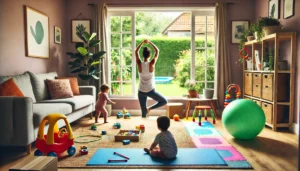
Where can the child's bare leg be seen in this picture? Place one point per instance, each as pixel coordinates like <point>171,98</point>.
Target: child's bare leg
<point>157,153</point>
<point>97,116</point>
<point>104,113</point>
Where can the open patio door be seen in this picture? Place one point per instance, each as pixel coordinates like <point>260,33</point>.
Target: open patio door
<point>122,75</point>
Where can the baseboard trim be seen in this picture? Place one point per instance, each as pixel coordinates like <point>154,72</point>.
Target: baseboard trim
<point>138,112</point>
<point>295,128</point>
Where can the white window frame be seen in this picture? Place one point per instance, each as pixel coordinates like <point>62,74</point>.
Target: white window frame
<point>130,11</point>
<point>133,63</point>
<point>193,46</point>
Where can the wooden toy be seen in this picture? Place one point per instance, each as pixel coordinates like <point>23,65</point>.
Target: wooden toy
<point>84,150</point>
<point>228,98</point>
<point>132,135</point>
<point>55,141</point>
<point>126,142</point>
<point>121,155</point>
<point>142,128</point>
<point>176,117</point>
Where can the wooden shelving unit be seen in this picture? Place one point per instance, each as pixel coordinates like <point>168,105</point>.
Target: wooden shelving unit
<point>272,90</point>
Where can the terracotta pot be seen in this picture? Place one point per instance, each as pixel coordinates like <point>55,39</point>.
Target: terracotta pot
<point>249,38</point>
<point>193,93</point>
<point>271,29</point>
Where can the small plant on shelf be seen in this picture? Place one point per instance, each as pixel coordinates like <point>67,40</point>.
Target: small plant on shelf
<point>265,26</point>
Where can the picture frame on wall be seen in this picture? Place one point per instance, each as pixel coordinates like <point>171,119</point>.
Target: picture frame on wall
<point>237,30</point>
<point>57,35</point>
<point>288,8</point>
<point>36,33</point>
<point>74,24</point>
<point>274,9</point>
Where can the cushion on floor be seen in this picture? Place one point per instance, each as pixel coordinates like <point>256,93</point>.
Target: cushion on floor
<point>77,102</point>
<point>40,110</point>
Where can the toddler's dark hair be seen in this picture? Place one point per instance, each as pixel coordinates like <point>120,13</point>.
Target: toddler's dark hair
<point>163,123</point>
<point>146,52</point>
<point>104,87</point>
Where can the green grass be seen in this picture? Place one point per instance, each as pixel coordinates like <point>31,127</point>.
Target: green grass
<point>171,89</point>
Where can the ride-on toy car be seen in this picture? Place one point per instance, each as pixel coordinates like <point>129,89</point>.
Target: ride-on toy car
<point>56,141</point>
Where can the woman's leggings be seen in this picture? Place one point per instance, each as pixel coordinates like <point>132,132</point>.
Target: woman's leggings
<point>161,100</point>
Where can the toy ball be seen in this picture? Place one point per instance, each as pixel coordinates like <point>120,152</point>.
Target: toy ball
<point>117,125</point>
<point>94,127</point>
<point>176,117</point>
<point>243,119</point>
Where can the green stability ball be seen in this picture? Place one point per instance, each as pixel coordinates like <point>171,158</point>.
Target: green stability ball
<point>243,119</point>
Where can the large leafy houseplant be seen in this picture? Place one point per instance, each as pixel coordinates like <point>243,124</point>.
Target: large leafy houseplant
<point>262,23</point>
<point>85,62</point>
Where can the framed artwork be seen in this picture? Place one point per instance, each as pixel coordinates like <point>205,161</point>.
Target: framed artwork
<point>57,35</point>
<point>274,8</point>
<point>37,33</point>
<point>237,30</point>
<point>74,24</point>
<point>288,9</point>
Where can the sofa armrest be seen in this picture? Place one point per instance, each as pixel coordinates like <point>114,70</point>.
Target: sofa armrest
<point>87,90</point>
<point>16,123</point>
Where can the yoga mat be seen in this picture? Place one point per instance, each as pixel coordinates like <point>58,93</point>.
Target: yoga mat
<point>185,157</point>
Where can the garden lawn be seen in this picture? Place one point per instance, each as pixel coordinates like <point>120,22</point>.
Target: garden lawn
<point>170,90</point>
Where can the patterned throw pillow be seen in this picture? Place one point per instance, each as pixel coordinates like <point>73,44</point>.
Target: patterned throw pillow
<point>73,83</point>
<point>59,89</point>
<point>10,88</point>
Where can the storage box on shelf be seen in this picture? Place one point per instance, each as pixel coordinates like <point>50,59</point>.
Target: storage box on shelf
<point>272,90</point>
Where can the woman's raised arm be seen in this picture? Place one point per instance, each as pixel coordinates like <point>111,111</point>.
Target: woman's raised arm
<point>137,55</point>
<point>156,52</point>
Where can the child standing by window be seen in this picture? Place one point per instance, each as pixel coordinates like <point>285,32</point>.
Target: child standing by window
<point>101,103</point>
<point>167,146</point>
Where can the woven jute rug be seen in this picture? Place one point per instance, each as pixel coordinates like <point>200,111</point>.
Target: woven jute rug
<point>82,127</point>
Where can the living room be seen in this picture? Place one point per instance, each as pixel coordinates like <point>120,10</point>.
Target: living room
<point>194,45</point>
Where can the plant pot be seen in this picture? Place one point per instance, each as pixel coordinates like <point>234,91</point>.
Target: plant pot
<point>249,38</point>
<point>193,93</point>
<point>249,64</point>
<point>271,29</point>
<point>208,93</point>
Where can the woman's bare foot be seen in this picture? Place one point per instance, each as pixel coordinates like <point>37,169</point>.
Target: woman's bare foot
<point>147,150</point>
<point>148,111</point>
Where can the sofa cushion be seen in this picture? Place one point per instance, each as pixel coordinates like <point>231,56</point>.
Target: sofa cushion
<point>40,110</point>
<point>77,102</point>
<point>23,82</point>
<point>73,83</point>
<point>39,84</point>
<point>59,89</point>
<point>10,88</point>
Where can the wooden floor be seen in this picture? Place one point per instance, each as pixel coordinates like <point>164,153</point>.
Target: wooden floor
<point>270,151</point>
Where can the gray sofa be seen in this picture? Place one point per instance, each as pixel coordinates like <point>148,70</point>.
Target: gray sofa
<point>20,116</point>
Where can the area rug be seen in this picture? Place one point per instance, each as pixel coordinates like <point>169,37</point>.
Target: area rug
<point>206,136</point>
<point>184,133</point>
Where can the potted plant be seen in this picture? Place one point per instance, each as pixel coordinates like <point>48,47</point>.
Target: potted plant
<point>271,25</point>
<point>85,62</point>
<point>191,86</point>
<point>257,28</point>
<point>249,34</point>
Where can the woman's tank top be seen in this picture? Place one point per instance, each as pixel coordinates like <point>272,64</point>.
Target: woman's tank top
<point>147,79</point>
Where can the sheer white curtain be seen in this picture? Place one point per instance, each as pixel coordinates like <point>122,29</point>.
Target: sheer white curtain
<point>103,32</point>
<point>222,67</point>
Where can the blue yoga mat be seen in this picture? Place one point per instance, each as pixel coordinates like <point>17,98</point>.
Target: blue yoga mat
<point>185,157</point>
